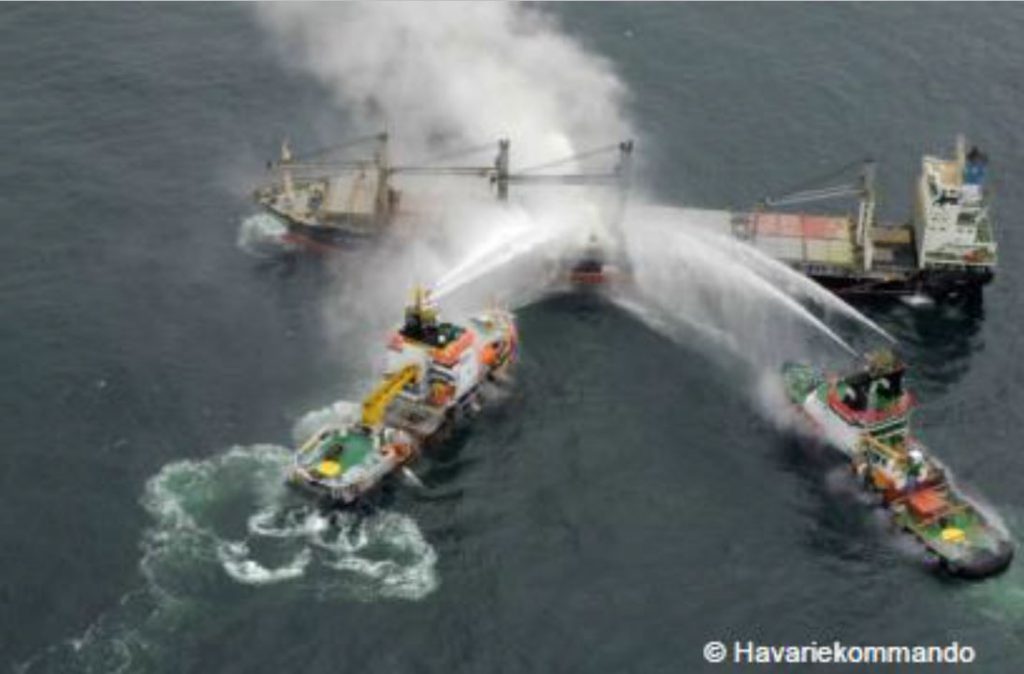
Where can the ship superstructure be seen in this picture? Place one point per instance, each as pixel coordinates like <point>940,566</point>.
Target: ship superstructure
<point>454,361</point>
<point>952,226</point>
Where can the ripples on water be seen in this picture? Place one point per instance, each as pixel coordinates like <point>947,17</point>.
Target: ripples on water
<point>230,519</point>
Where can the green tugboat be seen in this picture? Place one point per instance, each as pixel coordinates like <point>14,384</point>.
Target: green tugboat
<point>866,416</point>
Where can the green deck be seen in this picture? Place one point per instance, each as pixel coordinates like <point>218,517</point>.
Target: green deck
<point>356,448</point>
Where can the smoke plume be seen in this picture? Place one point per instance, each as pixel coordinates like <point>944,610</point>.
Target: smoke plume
<point>443,75</point>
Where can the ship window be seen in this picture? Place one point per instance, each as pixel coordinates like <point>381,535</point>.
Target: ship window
<point>856,396</point>
<point>892,384</point>
<point>965,218</point>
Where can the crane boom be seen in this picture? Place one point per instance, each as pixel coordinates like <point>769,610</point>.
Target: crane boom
<point>566,179</point>
<point>376,404</point>
<point>864,188</point>
<point>444,170</point>
<point>815,195</point>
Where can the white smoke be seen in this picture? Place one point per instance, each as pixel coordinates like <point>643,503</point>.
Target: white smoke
<point>449,75</point>
<point>441,77</point>
<point>442,74</point>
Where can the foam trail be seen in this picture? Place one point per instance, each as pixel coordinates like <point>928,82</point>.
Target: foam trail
<point>225,521</point>
<point>234,557</point>
<point>262,235</point>
<point>186,497</point>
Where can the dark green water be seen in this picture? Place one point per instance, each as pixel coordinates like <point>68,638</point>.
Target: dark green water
<point>621,510</point>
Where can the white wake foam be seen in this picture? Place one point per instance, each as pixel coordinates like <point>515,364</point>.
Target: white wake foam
<point>227,523</point>
<point>263,235</point>
<point>340,413</point>
<point>234,557</point>
<point>232,508</point>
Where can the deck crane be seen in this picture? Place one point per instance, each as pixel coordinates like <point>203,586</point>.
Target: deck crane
<point>592,262</point>
<point>619,175</point>
<point>376,403</point>
<point>863,188</point>
<point>325,199</point>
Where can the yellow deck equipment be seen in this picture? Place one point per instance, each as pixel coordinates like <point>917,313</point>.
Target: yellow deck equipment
<point>376,404</point>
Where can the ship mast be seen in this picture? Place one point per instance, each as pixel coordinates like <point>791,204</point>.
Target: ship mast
<point>961,153</point>
<point>866,213</point>
<point>501,164</point>
<point>863,188</point>
<point>289,183</point>
<point>380,160</point>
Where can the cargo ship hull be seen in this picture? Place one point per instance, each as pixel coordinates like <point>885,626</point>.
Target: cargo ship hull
<point>944,285</point>
<point>324,237</point>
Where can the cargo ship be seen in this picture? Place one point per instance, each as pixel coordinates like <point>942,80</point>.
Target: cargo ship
<point>866,416</point>
<point>326,202</point>
<point>947,251</point>
<point>329,202</point>
<point>432,382</point>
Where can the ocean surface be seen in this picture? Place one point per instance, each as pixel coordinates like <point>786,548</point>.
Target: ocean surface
<point>629,501</point>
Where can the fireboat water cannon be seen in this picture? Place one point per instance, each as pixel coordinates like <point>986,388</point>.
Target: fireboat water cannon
<point>597,257</point>
<point>432,382</point>
<point>865,414</point>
